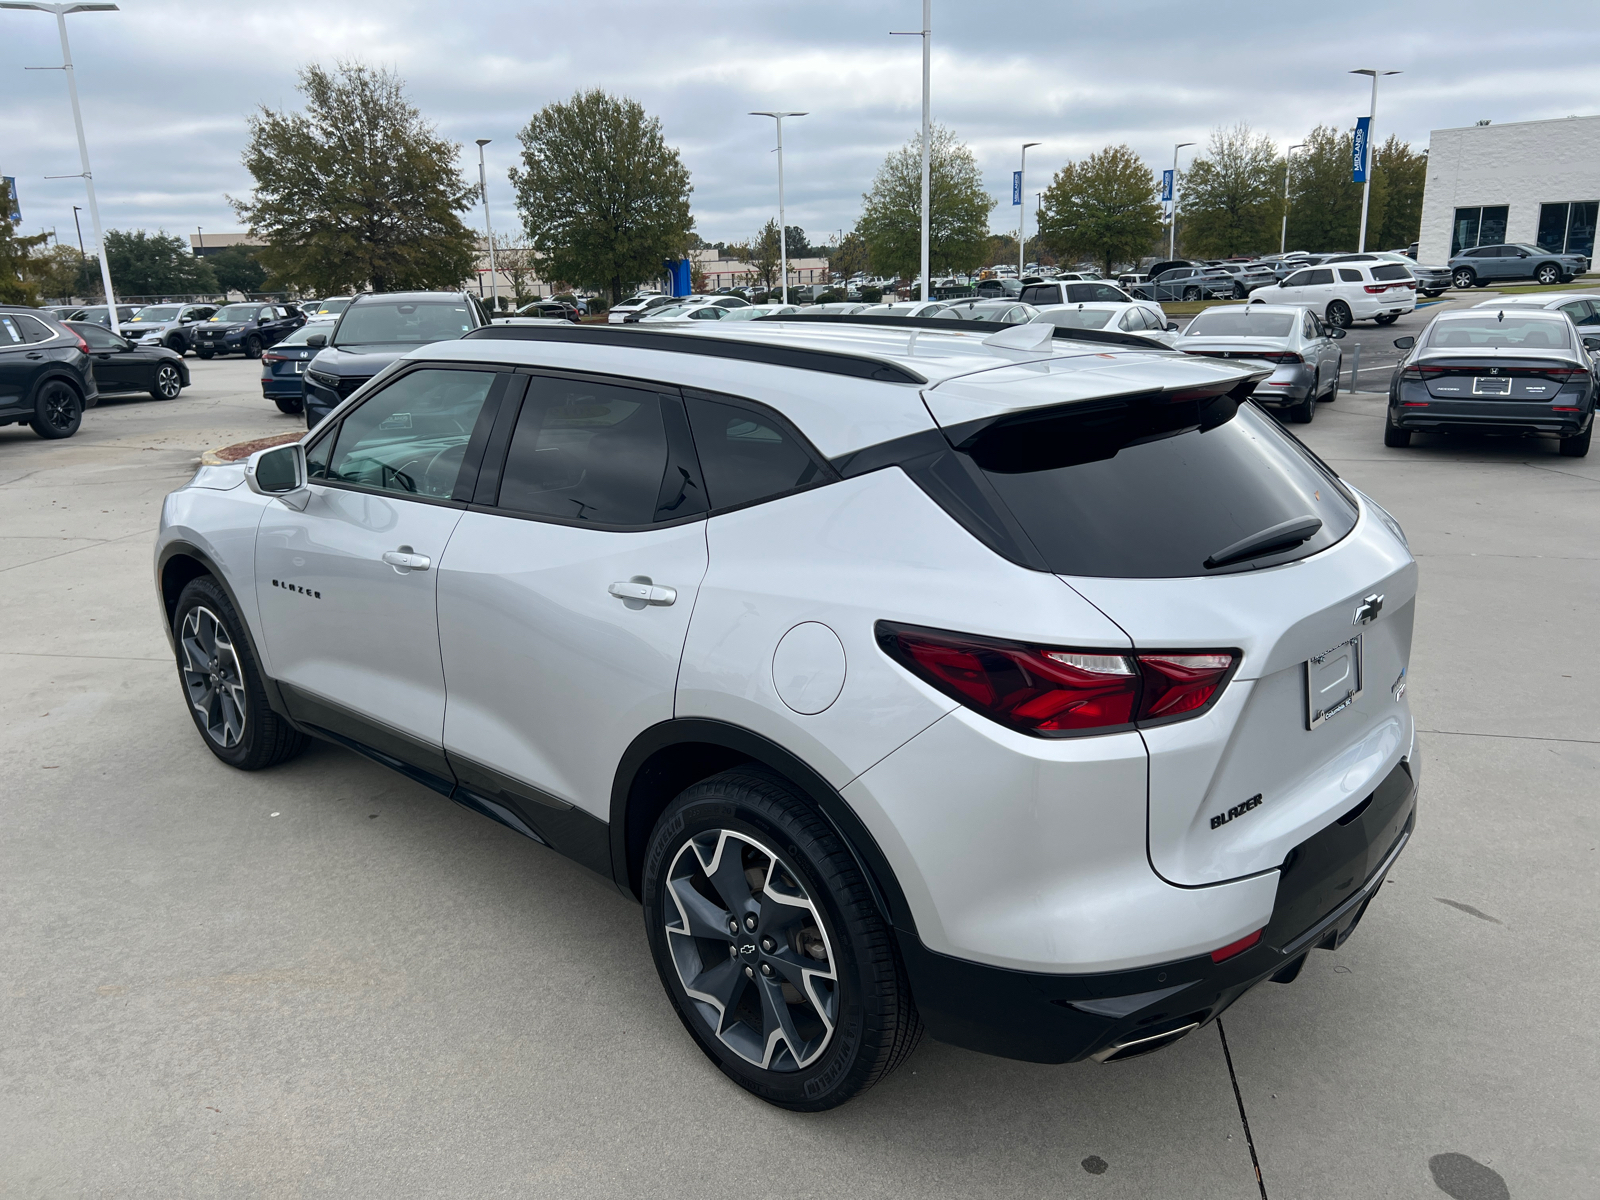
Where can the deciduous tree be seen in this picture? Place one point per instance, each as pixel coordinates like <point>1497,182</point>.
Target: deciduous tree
<point>155,264</point>
<point>1324,205</point>
<point>958,209</point>
<point>238,269</point>
<point>17,266</point>
<point>358,190</point>
<point>1401,172</point>
<point>1103,208</point>
<point>62,273</point>
<point>850,256</point>
<point>1231,197</point>
<point>602,196</point>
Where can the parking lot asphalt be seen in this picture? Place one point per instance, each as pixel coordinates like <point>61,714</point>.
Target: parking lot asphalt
<point>325,980</point>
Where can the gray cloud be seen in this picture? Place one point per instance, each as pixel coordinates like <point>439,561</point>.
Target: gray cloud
<point>166,86</point>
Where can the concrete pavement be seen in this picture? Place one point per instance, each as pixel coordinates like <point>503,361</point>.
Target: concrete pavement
<point>324,979</point>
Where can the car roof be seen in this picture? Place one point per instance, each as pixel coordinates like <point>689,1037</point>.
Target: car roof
<point>401,296</point>
<point>916,368</point>
<point>1258,307</point>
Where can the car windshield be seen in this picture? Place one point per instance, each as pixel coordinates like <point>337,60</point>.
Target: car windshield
<point>404,323</point>
<point>1519,331</point>
<point>674,311</point>
<point>159,312</point>
<point>237,312</point>
<point>1079,318</point>
<point>1241,322</point>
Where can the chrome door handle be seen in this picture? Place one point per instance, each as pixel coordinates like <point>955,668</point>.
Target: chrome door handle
<point>404,558</point>
<point>641,590</point>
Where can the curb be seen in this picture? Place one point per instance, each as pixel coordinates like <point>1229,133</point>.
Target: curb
<point>223,455</point>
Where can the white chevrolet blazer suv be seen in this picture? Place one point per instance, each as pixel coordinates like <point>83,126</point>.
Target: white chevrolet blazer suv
<point>1040,693</point>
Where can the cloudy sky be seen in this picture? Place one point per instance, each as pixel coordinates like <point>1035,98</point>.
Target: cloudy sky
<point>166,86</point>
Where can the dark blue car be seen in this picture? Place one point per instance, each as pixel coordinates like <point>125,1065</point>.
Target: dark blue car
<point>283,369</point>
<point>246,329</point>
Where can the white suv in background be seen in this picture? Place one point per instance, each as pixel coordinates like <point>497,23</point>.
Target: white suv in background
<point>1344,292</point>
<point>1042,694</point>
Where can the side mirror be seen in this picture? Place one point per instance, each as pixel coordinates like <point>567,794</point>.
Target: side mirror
<point>1172,327</point>
<point>317,339</point>
<point>1591,343</point>
<point>279,472</point>
<point>1404,343</point>
<point>1335,333</point>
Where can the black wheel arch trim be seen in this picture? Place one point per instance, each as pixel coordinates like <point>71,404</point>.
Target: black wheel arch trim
<point>641,780</point>
<point>183,549</point>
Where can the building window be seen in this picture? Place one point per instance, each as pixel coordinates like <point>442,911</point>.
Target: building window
<point>1478,227</point>
<point>1568,228</point>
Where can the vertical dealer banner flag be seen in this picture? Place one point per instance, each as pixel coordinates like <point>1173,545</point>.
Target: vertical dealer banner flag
<point>1358,151</point>
<point>16,205</point>
<point>1016,187</point>
<point>1166,185</point>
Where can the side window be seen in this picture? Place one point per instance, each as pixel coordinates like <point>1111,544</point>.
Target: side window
<point>33,329</point>
<point>1309,327</point>
<point>1151,321</point>
<point>99,337</point>
<point>318,453</point>
<point>594,453</point>
<point>411,436</point>
<point>1346,275</point>
<point>748,455</point>
<point>10,331</point>
<point>1298,279</point>
<point>1132,321</point>
<point>1325,276</point>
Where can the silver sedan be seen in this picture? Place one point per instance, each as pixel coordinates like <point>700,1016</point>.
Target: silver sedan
<point>1301,348</point>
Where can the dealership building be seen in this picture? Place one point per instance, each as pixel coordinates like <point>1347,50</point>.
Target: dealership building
<point>1535,182</point>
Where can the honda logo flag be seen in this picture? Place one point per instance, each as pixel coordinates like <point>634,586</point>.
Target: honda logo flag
<point>1358,151</point>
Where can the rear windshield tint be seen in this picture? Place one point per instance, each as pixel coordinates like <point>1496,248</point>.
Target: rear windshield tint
<point>1241,322</point>
<point>1079,318</point>
<point>1391,271</point>
<point>1505,330</point>
<point>1105,491</point>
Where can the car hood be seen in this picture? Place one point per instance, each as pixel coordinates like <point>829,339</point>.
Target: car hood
<point>358,360</point>
<point>224,326</point>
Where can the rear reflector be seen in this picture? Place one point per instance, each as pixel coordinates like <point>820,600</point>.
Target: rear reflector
<point>1233,948</point>
<point>1053,692</point>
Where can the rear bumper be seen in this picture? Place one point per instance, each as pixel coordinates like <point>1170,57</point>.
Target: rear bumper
<point>1445,416</point>
<point>1324,888</point>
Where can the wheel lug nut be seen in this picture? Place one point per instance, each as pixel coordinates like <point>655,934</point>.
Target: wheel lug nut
<point>750,921</point>
<point>733,924</point>
<point>766,969</point>
<point>749,973</point>
<point>768,945</point>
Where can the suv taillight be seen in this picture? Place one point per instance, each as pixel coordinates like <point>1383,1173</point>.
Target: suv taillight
<point>1056,692</point>
<point>82,345</point>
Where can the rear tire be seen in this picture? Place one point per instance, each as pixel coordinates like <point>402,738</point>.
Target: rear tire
<point>222,684</point>
<point>1239,292</point>
<point>1386,318</point>
<point>1191,294</point>
<point>57,410</point>
<point>806,1050</point>
<point>1465,278</point>
<point>168,383</point>
<point>288,404</point>
<point>1394,437</point>
<point>1339,315</point>
<point>1578,445</point>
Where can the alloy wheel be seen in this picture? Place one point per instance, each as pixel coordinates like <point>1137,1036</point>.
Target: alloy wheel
<point>751,950</point>
<point>1548,275</point>
<point>168,382</point>
<point>212,676</point>
<point>1463,279</point>
<point>1339,315</point>
<point>60,407</point>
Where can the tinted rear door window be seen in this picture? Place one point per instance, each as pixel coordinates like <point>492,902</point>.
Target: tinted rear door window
<point>1096,499</point>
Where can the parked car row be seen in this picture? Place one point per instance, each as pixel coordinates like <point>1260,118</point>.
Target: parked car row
<point>52,371</point>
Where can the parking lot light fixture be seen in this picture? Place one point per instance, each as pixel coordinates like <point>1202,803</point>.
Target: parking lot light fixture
<point>1022,208</point>
<point>783,231</point>
<point>1372,121</point>
<point>926,34</point>
<point>1283,238</point>
<point>1172,232</point>
<point>488,229</point>
<point>60,11</point>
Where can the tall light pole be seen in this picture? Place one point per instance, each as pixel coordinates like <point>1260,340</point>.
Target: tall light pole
<point>1172,234</point>
<point>61,11</point>
<point>926,34</point>
<point>488,229</point>
<point>1022,207</point>
<point>1283,238</point>
<point>783,229</point>
<point>1366,165</point>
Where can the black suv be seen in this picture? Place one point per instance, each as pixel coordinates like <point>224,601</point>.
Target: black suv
<point>45,378</point>
<point>247,328</point>
<point>374,332</point>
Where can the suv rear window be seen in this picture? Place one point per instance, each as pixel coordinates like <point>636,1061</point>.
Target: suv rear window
<point>1391,271</point>
<point>1140,489</point>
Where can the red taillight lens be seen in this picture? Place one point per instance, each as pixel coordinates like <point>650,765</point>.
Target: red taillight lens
<point>82,345</point>
<point>1284,359</point>
<point>1058,692</point>
<point>1375,288</point>
<point>272,358</point>
<point>1224,953</point>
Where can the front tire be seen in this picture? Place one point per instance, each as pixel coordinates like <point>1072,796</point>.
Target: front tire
<point>1465,278</point>
<point>1333,392</point>
<point>770,946</point>
<point>1306,411</point>
<point>1548,274</point>
<point>252,347</point>
<point>1386,318</point>
<point>168,383</point>
<point>1394,437</point>
<point>205,352</point>
<point>1578,445</point>
<point>222,684</point>
<point>57,410</point>
<point>1239,292</point>
<point>1339,315</point>
<point>1191,294</point>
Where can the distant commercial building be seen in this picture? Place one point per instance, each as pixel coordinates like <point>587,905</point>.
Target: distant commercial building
<point>721,272</point>
<point>1535,182</point>
<point>204,243</point>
